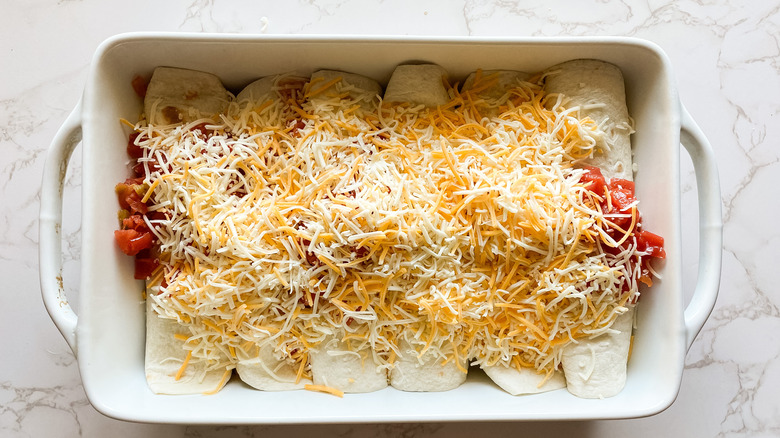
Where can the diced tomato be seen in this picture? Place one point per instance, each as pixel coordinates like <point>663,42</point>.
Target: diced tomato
<point>153,165</point>
<point>651,244</point>
<point>144,266</point>
<point>133,150</point>
<point>156,215</point>
<point>128,196</point>
<point>135,222</point>
<point>611,250</point>
<point>138,170</point>
<point>617,208</point>
<point>131,242</point>
<point>594,180</point>
<point>139,86</point>
<point>622,184</point>
<point>621,197</point>
<point>621,200</point>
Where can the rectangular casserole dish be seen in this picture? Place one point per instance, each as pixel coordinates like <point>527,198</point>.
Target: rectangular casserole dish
<point>108,334</point>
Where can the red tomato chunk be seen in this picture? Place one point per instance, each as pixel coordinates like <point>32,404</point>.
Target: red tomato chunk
<point>129,198</point>
<point>594,180</point>
<point>131,242</point>
<point>650,244</point>
<point>133,150</point>
<point>145,265</point>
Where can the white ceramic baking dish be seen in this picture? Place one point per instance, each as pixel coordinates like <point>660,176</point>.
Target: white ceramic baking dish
<point>108,334</point>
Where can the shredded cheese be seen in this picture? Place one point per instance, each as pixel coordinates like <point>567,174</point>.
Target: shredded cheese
<point>311,214</point>
<point>325,389</point>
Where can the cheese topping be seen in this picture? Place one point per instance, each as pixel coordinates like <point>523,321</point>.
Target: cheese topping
<point>316,211</point>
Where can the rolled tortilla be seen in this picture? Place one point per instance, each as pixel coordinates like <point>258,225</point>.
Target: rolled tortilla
<point>423,84</point>
<point>177,95</point>
<point>491,86</point>
<point>596,368</point>
<point>258,91</point>
<point>426,373</point>
<point>597,87</point>
<point>165,356</point>
<point>326,85</point>
<point>336,365</point>
<point>523,381</point>
<point>267,372</point>
<point>274,88</point>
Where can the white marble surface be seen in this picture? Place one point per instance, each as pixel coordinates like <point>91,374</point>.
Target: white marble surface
<point>727,58</point>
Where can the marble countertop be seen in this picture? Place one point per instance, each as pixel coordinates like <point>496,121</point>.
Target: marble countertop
<point>726,56</point>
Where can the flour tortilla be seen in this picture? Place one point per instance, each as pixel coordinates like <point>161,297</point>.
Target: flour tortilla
<point>426,373</point>
<point>176,95</point>
<point>587,82</point>
<point>267,372</point>
<point>269,88</point>
<point>523,381</point>
<point>491,86</point>
<point>421,85</point>
<point>596,368</point>
<point>363,90</point>
<point>258,91</point>
<point>593,367</point>
<point>165,355</point>
<point>418,85</point>
<point>337,365</point>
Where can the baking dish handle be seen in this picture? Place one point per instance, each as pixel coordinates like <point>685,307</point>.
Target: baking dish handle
<point>710,226</point>
<point>50,226</point>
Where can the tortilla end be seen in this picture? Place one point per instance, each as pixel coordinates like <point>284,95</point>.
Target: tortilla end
<point>523,381</point>
<point>421,84</point>
<point>597,368</point>
<point>431,376</point>
<point>336,366</point>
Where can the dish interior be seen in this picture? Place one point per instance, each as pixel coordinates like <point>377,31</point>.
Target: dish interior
<point>111,314</point>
